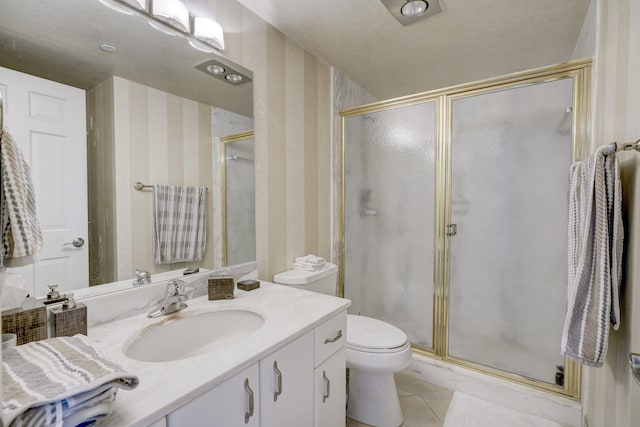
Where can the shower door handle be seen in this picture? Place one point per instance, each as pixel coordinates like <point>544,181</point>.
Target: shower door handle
<point>451,230</point>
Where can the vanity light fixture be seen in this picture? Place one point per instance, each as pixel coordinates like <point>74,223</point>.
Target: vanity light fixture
<point>208,30</point>
<point>138,4</point>
<point>409,11</point>
<point>172,18</point>
<point>173,12</point>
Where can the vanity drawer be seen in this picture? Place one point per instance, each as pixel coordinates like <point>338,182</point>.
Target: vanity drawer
<point>329,337</point>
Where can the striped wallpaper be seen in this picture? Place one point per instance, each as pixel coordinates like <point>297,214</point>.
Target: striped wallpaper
<point>611,396</point>
<point>292,116</point>
<point>157,138</point>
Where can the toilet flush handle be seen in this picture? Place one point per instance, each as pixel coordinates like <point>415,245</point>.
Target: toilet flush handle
<point>334,339</point>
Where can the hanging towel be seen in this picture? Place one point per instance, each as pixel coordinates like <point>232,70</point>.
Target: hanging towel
<point>180,223</point>
<point>595,254</point>
<point>21,232</point>
<point>61,381</point>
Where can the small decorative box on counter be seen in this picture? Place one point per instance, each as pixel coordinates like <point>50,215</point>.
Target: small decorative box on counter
<point>248,285</point>
<point>70,319</point>
<point>28,322</point>
<point>220,287</point>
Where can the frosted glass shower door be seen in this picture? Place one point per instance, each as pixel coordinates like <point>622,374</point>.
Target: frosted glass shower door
<point>510,151</point>
<point>389,217</point>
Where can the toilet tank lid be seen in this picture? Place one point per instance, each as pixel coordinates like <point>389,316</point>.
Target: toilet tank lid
<point>303,277</point>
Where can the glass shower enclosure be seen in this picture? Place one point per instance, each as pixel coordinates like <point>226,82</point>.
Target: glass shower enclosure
<point>454,219</point>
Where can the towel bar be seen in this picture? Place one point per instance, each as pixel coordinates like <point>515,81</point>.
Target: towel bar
<point>140,186</point>
<point>634,364</point>
<point>624,146</point>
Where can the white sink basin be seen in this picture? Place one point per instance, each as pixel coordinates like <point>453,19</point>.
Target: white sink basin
<point>194,335</point>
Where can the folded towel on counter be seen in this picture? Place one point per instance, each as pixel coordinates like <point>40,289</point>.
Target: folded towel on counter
<point>311,259</point>
<point>180,223</point>
<point>595,257</point>
<point>60,381</point>
<point>308,267</point>
<point>21,231</point>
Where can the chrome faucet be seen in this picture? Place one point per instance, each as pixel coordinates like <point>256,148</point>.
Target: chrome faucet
<point>173,300</point>
<point>142,278</point>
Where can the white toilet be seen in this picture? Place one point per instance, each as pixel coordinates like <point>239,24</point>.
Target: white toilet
<point>375,350</point>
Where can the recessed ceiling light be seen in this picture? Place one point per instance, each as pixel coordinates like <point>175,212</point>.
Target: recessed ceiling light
<point>216,69</point>
<point>414,8</point>
<point>233,78</point>
<point>107,47</point>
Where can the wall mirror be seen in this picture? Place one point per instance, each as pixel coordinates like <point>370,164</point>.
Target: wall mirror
<point>133,97</point>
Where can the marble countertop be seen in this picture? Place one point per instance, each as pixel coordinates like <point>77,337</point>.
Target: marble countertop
<point>166,386</point>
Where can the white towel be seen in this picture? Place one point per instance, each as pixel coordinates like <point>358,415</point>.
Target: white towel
<point>180,223</point>
<point>59,381</point>
<point>595,254</point>
<point>311,259</point>
<point>21,232</point>
<point>308,267</point>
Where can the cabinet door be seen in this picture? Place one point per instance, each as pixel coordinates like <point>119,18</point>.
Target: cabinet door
<point>286,385</point>
<point>330,391</point>
<point>230,404</point>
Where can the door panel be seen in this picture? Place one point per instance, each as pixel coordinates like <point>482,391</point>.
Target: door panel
<point>47,120</point>
<point>511,150</point>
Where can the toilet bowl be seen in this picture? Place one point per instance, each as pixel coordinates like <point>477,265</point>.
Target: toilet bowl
<point>375,350</point>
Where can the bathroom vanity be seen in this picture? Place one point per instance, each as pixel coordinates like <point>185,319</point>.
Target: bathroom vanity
<point>290,371</point>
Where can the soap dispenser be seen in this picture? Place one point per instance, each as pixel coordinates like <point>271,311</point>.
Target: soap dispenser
<point>70,319</point>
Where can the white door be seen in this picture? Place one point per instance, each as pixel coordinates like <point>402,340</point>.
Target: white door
<point>47,121</point>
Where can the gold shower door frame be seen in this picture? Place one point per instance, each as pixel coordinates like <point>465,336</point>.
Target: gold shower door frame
<point>580,72</point>
<point>228,139</point>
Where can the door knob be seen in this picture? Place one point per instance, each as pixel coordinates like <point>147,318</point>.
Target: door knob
<point>78,242</point>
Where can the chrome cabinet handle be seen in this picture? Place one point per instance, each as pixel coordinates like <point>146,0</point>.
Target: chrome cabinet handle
<point>279,374</point>
<point>634,364</point>
<point>327,384</point>
<point>78,242</point>
<point>334,339</point>
<point>249,414</point>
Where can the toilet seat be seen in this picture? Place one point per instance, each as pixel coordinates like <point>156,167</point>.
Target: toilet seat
<point>374,336</point>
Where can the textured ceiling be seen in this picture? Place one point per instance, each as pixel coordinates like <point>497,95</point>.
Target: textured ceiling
<point>469,40</point>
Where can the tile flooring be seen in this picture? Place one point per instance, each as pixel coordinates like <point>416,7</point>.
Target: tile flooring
<point>423,404</point>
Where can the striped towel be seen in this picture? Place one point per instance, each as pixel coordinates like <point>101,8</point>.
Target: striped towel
<point>21,232</point>
<point>595,253</point>
<point>59,382</point>
<point>180,223</point>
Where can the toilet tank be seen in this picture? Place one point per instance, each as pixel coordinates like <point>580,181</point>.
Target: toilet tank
<point>316,281</point>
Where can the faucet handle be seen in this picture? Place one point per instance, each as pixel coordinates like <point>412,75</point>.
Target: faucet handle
<point>175,287</point>
<point>141,274</point>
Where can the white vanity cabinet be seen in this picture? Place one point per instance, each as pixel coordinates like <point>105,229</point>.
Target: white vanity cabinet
<point>301,384</point>
<point>286,385</point>
<point>234,403</point>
